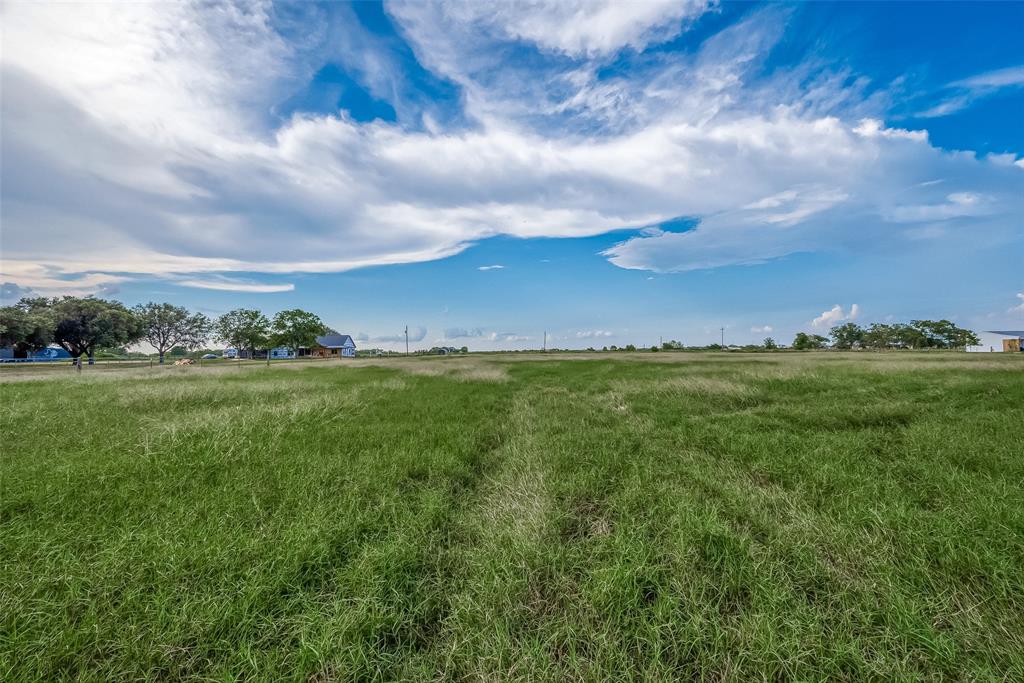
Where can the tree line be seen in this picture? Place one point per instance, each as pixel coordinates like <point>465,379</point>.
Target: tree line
<point>918,334</point>
<point>82,325</point>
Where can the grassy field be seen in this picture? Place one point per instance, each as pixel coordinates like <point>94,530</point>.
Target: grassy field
<point>646,517</point>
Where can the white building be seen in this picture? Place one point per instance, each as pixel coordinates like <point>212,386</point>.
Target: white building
<point>997,341</point>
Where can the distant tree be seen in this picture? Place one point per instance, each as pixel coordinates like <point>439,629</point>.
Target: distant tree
<point>83,325</point>
<point>166,326</point>
<point>847,336</point>
<point>296,328</point>
<point>26,326</point>
<point>630,347</point>
<point>942,334</point>
<point>671,345</point>
<point>177,352</point>
<point>769,344</point>
<point>243,328</point>
<point>464,349</point>
<point>654,348</point>
<point>804,341</point>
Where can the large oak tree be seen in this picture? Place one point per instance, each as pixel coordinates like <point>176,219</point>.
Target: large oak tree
<point>83,325</point>
<point>166,326</point>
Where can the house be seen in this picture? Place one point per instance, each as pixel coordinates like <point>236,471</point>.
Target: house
<point>281,352</point>
<point>997,341</point>
<point>331,346</point>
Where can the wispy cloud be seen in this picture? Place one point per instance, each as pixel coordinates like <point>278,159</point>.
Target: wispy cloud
<point>761,329</point>
<point>416,334</point>
<point>966,91</point>
<point>494,267</point>
<point>593,334</point>
<point>480,333</point>
<point>235,285</point>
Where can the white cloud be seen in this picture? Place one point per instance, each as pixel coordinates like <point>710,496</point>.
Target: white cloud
<point>966,91</point>
<point>762,329</point>
<point>593,334</point>
<point>147,125</point>
<point>1019,308</point>
<point>576,28</point>
<point>835,315</point>
<point>1000,78</point>
<point>234,285</point>
<point>494,267</point>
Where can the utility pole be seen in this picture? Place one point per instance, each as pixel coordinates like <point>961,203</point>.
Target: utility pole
<point>544,349</point>
<point>661,341</point>
<point>723,337</point>
<point>407,340</point>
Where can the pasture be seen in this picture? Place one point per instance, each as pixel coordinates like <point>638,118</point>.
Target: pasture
<point>654,516</point>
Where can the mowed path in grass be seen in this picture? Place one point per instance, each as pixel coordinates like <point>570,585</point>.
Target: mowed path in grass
<point>603,517</point>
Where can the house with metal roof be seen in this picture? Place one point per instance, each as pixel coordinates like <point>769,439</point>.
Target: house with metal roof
<point>331,346</point>
<point>999,341</point>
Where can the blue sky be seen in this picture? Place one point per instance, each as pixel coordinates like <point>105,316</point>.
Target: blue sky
<point>609,173</point>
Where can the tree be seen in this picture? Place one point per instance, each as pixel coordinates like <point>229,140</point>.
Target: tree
<point>26,326</point>
<point>243,328</point>
<point>83,325</point>
<point>847,336</point>
<point>942,334</point>
<point>804,341</point>
<point>166,326</point>
<point>297,328</point>
<point>769,344</point>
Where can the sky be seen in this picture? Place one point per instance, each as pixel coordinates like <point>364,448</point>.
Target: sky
<point>604,173</point>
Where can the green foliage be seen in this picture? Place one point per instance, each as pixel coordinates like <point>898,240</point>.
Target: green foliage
<point>166,326</point>
<point>27,326</point>
<point>919,334</point>
<point>296,328</point>
<point>943,334</point>
<point>805,342</point>
<point>83,325</point>
<point>740,517</point>
<point>847,336</point>
<point>769,344</point>
<point>243,328</point>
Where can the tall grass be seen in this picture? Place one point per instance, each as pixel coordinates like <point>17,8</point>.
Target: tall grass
<point>794,517</point>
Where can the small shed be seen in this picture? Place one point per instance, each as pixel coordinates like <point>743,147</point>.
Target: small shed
<point>999,341</point>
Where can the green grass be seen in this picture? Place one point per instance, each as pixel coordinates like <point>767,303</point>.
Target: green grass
<point>648,517</point>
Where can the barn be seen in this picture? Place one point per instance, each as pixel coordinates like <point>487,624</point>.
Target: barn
<point>999,341</point>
